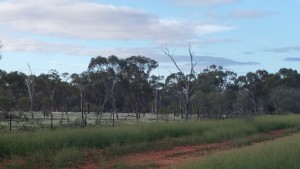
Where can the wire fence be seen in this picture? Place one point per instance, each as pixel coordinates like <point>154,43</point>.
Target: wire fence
<point>23,121</point>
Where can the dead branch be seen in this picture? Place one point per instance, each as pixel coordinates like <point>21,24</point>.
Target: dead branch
<point>171,56</point>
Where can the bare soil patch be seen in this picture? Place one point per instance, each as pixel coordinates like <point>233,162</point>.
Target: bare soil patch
<point>174,156</point>
<point>278,133</point>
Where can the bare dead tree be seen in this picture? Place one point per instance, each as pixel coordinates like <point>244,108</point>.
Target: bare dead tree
<point>30,83</point>
<point>187,78</point>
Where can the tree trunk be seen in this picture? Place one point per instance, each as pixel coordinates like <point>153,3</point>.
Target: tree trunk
<point>81,107</point>
<point>155,102</point>
<point>187,101</point>
<point>137,117</point>
<point>186,78</point>
<point>51,123</point>
<point>113,114</point>
<point>85,120</point>
<point>174,115</point>
<point>102,109</point>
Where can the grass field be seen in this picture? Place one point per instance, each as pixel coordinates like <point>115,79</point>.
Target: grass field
<point>283,153</point>
<point>61,147</point>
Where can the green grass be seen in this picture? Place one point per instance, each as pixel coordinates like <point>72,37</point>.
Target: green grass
<point>140,136</point>
<point>67,157</point>
<point>62,148</point>
<point>283,153</point>
<point>64,158</point>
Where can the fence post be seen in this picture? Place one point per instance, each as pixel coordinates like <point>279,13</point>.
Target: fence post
<point>51,124</point>
<point>9,121</point>
<point>85,120</point>
<point>174,115</point>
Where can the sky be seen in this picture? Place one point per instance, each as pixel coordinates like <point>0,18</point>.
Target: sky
<point>240,35</point>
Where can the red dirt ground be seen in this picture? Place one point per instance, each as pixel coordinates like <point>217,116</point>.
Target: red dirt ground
<point>8,162</point>
<point>4,163</point>
<point>174,156</point>
<point>278,133</point>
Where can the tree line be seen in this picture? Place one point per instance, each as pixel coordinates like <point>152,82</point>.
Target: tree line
<point>115,85</point>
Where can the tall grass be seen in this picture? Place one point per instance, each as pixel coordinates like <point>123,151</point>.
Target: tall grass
<point>280,154</point>
<point>67,157</point>
<point>203,131</point>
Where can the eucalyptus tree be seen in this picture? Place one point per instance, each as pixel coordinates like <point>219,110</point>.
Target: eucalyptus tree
<point>3,74</point>
<point>258,86</point>
<point>135,75</point>
<point>6,96</point>
<point>6,104</point>
<point>15,82</point>
<point>186,78</point>
<point>50,81</point>
<point>97,69</point>
<point>114,69</point>
<point>157,88</point>
<point>81,81</point>
<point>175,84</point>
<point>107,70</point>
<point>215,91</point>
<point>65,92</point>
<point>247,85</point>
<point>96,94</point>
<point>285,99</point>
<point>288,77</point>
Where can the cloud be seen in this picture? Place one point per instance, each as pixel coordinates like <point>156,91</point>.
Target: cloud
<point>12,44</point>
<point>212,28</point>
<point>295,59</point>
<point>238,14</point>
<point>150,52</point>
<point>215,41</point>
<point>86,19</point>
<point>248,53</point>
<point>156,53</point>
<point>249,14</point>
<point>203,2</point>
<point>210,60</point>
<point>200,42</point>
<point>283,49</point>
<point>202,63</point>
<point>56,63</point>
<point>38,46</point>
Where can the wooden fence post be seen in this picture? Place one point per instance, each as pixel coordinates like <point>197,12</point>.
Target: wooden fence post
<point>9,121</point>
<point>85,120</point>
<point>51,124</point>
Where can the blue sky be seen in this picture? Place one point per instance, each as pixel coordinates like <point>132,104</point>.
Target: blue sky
<point>240,35</point>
